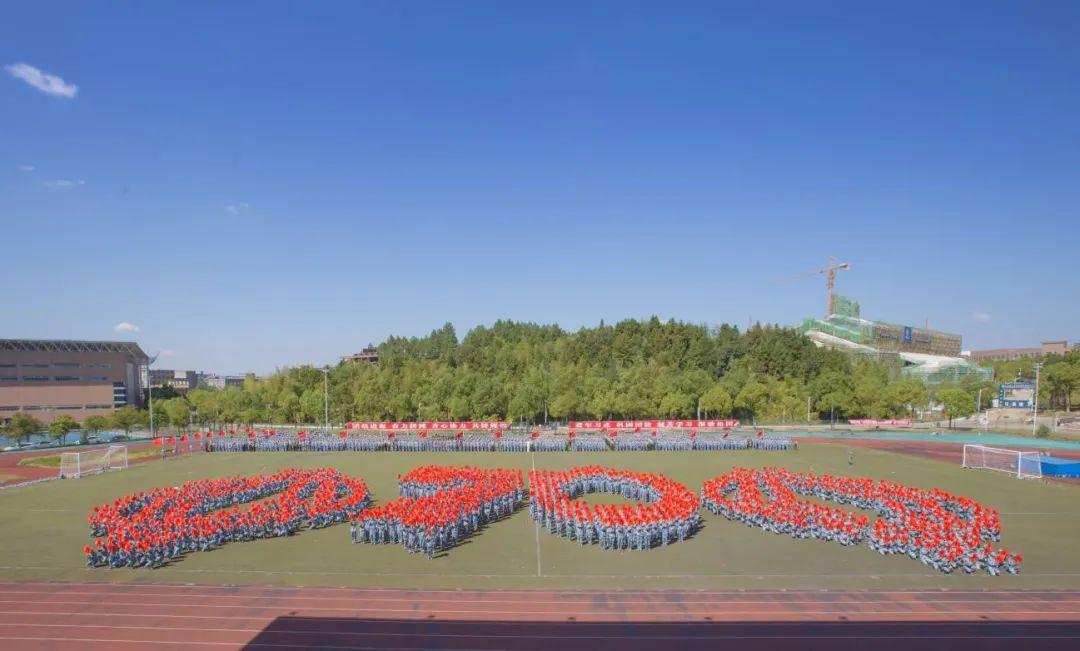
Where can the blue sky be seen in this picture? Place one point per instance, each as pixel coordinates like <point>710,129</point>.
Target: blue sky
<point>264,184</point>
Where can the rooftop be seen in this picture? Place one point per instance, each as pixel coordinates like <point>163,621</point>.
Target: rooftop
<point>73,346</point>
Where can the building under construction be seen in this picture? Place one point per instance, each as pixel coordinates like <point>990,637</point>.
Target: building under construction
<point>930,355</point>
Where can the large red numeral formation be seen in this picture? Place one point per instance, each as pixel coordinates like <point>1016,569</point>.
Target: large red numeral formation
<point>440,506</point>
<point>669,513</point>
<point>937,528</point>
<point>148,529</point>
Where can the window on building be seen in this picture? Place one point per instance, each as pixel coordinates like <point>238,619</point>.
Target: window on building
<point>66,378</point>
<point>35,378</point>
<point>8,378</point>
<point>65,365</point>
<point>68,407</point>
<point>95,378</point>
<point>99,406</point>
<point>7,365</point>
<point>10,407</point>
<point>33,365</point>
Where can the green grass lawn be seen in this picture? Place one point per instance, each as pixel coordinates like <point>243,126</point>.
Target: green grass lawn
<point>43,530</point>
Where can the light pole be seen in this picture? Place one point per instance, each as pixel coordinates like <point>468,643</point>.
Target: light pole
<point>326,399</point>
<point>150,393</point>
<point>1035,400</point>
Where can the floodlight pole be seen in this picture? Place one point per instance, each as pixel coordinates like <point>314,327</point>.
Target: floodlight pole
<point>326,399</point>
<point>1035,400</point>
<point>978,403</point>
<point>150,393</point>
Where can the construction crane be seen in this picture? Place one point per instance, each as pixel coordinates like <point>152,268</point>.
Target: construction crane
<point>830,283</point>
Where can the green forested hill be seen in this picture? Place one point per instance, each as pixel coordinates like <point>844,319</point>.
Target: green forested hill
<point>633,369</point>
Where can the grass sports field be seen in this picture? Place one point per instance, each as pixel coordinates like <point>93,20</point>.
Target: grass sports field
<point>44,529</point>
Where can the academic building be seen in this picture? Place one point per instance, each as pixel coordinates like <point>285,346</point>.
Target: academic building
<point>49,377</point>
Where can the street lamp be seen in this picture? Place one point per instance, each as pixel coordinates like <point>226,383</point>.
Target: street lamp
<point>150,393</point>
<point>326,398</point>
<point>1035,417</point>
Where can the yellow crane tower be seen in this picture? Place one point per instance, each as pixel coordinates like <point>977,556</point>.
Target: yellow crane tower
<point>830,283</point>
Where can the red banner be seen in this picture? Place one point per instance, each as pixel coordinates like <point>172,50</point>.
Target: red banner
<point>636,425</point>
<point>870,422</point>
<point>428,425</point>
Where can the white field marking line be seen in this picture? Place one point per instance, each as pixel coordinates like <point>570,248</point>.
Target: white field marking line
<point>528,591</point>
<point>1041,513</point>
<point>220,571</point>
<point>471,611</point>
<point>536,526</point>
<point>859,598</point>
<point>680,608</point>
<point>420,635</point>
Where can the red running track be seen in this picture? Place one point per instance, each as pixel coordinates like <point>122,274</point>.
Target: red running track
<point>89,616</point>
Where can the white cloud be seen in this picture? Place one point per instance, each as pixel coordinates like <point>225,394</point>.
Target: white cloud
<point>26,168</point>
<point>166,353</point>
<point>124,326</point>
<point>64,183</point>
<point>43,81</point>
<point>237,208</point>
<point>981,317</point>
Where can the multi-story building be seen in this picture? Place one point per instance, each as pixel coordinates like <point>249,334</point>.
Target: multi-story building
<point>49,377</point>
<point>369,355</point>
<point>221,381</point>
<point>1011,354</point>
<point>929,355</point>
<point>182,381</point>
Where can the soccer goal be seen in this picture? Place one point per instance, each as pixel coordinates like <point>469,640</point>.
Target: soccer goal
<point>1023,465</point>
<point>77,464</point>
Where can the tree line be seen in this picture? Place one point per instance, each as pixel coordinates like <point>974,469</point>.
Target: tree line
<point>22,425</point>
<point>526,372</point>
<point>633,369</point>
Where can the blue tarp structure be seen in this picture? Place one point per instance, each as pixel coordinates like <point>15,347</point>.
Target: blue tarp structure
<point>1058,467</point>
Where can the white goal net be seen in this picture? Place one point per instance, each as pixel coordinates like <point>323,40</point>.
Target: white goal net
<point>77,464</point>
<point>1024,465</point>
